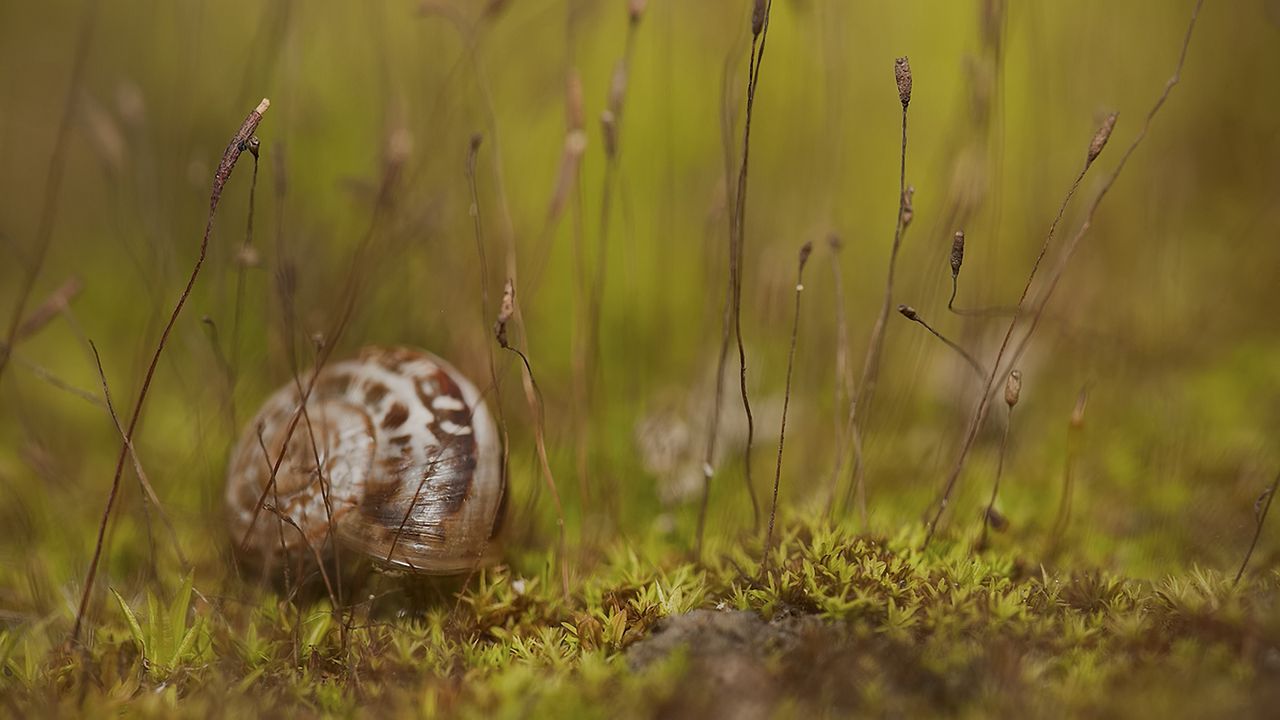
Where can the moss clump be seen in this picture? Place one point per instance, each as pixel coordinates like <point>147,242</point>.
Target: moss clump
<point>867,624</point>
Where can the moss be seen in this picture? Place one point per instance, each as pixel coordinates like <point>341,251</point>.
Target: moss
<point>876,626</point>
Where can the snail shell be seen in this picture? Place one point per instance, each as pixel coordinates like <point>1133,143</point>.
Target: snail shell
<point>403,446</point>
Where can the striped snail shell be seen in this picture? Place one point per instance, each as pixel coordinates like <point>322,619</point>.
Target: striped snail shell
<point>405,450</point>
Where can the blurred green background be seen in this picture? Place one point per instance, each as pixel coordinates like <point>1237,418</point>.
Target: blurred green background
<point>1167,315</point>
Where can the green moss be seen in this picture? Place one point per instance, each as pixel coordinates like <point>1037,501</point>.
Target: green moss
<point>902,630</point>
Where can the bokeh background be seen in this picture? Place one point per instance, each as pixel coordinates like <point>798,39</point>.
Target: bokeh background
<point>1167,315</point>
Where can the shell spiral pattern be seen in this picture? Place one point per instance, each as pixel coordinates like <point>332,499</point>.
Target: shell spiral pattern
<point>396,457</point>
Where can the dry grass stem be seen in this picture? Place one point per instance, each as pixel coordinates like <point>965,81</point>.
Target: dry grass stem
<point>478,229</point>
<point>247,257</point>
<point>1074,428</point>
<point>844,381</point>
<point>223,173</point>
<point>871,364</point>
<point>786,398</point>
<point>957,259</point>
<point>1095,146</point>
<point>760,35</point>
<point>148,490</point>
<point>58,301</point>
<point>733,305</point>
<point>53,181</point>
<point>911,314</point>
<point>533,396</point>
<point>991,518</point>
<point>1260,509</point>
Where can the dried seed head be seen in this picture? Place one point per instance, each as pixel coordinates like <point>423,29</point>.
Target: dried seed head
<point>609,132</point>
<point>613,108</point>
<point>1077,414</point>
<point>399,147</point>
<point>575,145</point>
<point>908,312</point>
<point>902,71</point>
<point>618,87</point>
<point>957,253</point>
<point>636,9</point>
<point>1013,388</point>
<point>908,212</point>
<point>835,243</point>
<point>805,251</point>
<point>505,311</point>
<point>476,140</point>
<point>247,257</point>
<point>1100,138</point>
<point>573,101</point>
<point>759,14</point>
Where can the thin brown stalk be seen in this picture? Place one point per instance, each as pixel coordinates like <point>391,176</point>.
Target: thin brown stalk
<point>760,32</point>
<point>989,515</point>
<point>286,519</point>
<point>46,375</point>
<point>786,399</point>
<point>53,181</point>
<point>285,275</point>
<point>225,166</point>
<point>473,154</point>
<point>286,567</point>
<point>726,323</point>
<point>1095,148</point>
<point>224,367</point>
<point>478,228</point>
<point>58,302</point>
<point>533,396</point>
<point>246,257</point>
<point>984,402</point>
<point>286,280</point>
<point>1074,428</point>
<point>734,308</point>
<point>911,314</point>
<point>843,386</point>
<point>327,343</point>
<point>581,359</point>
<point>324,347</point>
<point>282,519</point>
<point>336,599</point>
<point>426,474</point>
<point>1262,507</point>
<point>53,305</point>
<point>506,225</point>
<point>143,480</point>
<point>875,346</point>
<point>993,311</point>
<point>611,133</point>
<point>336,595</point>
<point>1012,391</point>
